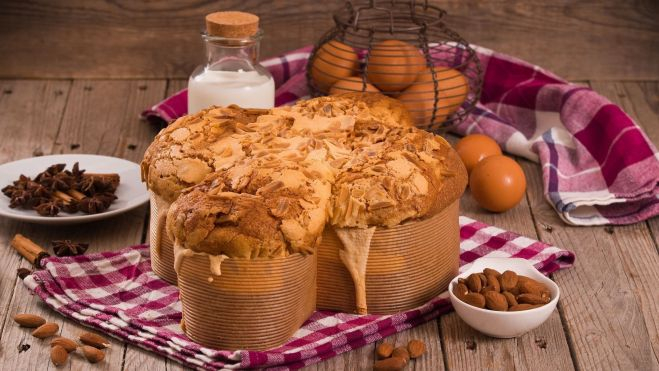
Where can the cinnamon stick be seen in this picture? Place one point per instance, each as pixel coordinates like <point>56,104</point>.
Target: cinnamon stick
<point>63,196</point>
<point>76,194</point>
<point>111,178</point>
<point>28,249</point>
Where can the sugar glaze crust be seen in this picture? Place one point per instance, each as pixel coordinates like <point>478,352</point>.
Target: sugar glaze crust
<point>352,160</point>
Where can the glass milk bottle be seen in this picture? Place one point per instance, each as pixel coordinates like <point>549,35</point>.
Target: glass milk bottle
<point>232,74</point>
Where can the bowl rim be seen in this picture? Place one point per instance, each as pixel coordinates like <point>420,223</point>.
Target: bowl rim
<point>474,267</point>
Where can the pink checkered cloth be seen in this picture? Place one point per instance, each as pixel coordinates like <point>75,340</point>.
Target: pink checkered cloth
<point>117,293</point>
<point>598,166</point>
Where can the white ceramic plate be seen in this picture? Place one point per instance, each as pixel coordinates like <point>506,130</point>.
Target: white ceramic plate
<point>131,192</point>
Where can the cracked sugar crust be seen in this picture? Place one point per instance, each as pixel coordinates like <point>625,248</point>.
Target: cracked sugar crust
<point>231,224</point>
<point>192,147</point>
<point>351,161</point>
<point>408,174</point>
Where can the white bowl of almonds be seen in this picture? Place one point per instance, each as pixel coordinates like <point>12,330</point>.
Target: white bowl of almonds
<point>503,297</point>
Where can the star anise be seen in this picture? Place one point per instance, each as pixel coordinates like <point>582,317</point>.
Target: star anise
<point>106,197</point>
<point>91,185</point>
<point>76,172</point>
<point>55,169</point>
<point>62,182</point>
<point>68,248</point>
<point>92,205</point>
<point>19,198</point>
<point>35,201</point>
<point>38,190</point>
<point>22,181</point>
<point>71,207</point>
<point>9,190</point>
<point>50,208</point>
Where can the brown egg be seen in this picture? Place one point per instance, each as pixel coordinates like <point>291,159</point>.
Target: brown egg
<point>393,65</point>
<point>475,147</point>
<point>349,84</point>
<point>497,183</point>
<point>420,98</point>
<point>333,61</point>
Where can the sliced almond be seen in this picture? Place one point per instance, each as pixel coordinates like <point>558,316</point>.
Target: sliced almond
<point>29,320</point>
<point>46,330</point>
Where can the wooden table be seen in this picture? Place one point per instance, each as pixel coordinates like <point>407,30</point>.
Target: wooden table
<point>77,73</point>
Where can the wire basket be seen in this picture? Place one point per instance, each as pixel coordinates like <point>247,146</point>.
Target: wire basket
<point>404,50</point>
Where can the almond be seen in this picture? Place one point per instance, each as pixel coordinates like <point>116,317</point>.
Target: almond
<point>508,280</point>
<point>530,286</point>
<point>492,281</point>
<point>29,320</point>
<point>496,301</point>
<point>66,343</point>
<point>460,290</point>
<point>416,348</point>
<point>510,298</point>
<point>474,282</point>
<point>389,364</point>
<point>92,354</point>
<point>475,299</point>
<point>490,271</point>
<point>58,355</point>
<point>531,299</point>
<point>384,350</point>
<point>488,288</point>
<point>518,307</point>
<point>96,341</point>
<point>483,279</point>
<point>401,352</point>
<point>46,330</point>
<point>462,281</point>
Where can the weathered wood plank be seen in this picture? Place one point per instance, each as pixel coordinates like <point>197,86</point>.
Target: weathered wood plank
<point>601,304</point>
<point>105,118</point>
<point>641,262</point>
<point>468,349</point>
<point>433,359</point>
<point>30,114</point>
<point>161,40</point>
<point>102,118</point>
<point>137,358</point>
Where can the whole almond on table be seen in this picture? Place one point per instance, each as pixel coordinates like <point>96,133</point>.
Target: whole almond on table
<point>384,350</point>
<point>93,355</point>
<point>416,348</point>
<point>29,320</point>
<point>68,344</point>
<point>389,364</point>
<point>401,352</point>
<point>94,340</point>
<point>496,301</point>
<point>58,355</point>
<point>46,330</point>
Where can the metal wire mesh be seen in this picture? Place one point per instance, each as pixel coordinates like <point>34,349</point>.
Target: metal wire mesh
<point>440,85</point>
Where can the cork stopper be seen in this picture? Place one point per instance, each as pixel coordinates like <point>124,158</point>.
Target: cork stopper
<point>232,24</point>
